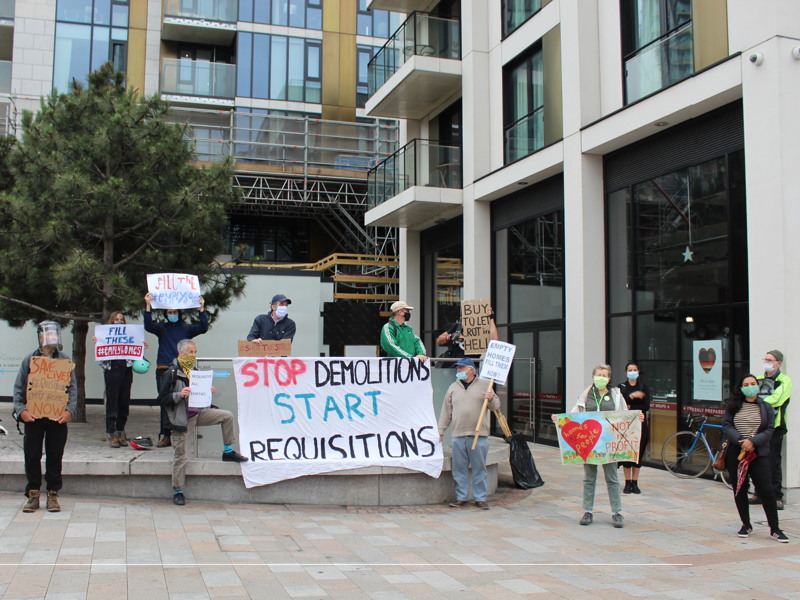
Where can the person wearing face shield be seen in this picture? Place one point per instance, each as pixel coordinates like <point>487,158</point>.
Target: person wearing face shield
<point>276,324</point>
<point>43,431</point>
<point>397,338</point>
<point>169,334</point>
<point>461,409</point>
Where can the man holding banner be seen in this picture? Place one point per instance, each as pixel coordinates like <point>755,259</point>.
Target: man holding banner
<point>463,403</point>
<point>174,395</point>
<point>397,338</point>
<point>45,398</point>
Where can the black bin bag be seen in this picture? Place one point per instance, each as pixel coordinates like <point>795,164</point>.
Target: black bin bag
<point>526,476</point>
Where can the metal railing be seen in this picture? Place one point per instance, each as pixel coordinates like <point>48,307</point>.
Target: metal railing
<point>660,63</point>
<point>420,35</point>
<point>290,144</point>
<point>185,77</point>
<point>418,163</point>
<point>525,136</point>
<point>223,11</point>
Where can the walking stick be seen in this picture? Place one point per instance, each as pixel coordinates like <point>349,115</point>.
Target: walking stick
<point>483,414</point>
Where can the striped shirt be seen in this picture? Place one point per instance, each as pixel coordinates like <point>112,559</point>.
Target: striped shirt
<point>747,420</point>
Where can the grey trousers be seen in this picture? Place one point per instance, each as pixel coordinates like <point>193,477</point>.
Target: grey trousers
<point>181,439</point>
<point>612,484</point>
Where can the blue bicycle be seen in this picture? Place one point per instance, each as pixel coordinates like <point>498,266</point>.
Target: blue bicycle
<point>687,454</point>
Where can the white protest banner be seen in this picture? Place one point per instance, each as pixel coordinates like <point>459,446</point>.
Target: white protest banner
<point>174,290</point>
<point>475,318</point>
<point>707,370</point>
<point>304,416</point>
<point>496,362</point>
<point>119,342</point>
<point>200,386</point>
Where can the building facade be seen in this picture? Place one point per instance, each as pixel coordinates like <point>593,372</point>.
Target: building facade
<point>616,175</point>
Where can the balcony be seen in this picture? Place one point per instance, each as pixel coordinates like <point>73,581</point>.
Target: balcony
<point>524,136</point>
<point>417,68</point>
<point>659,64</point>
<point>200,21</point>
<point>5,76</point>
<point>198,81</point>
<point>7,12</point>
<point>415,186</point>
<point>403,6</point>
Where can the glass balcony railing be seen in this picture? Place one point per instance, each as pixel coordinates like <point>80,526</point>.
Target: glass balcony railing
<point>5,76</point>
<point>525,136</point>
<point>223,11</point>
<point>420,162</point>
<point>661,63</point>
<point>420,35</point>
<point>7,9</point>
<point>198,78</point>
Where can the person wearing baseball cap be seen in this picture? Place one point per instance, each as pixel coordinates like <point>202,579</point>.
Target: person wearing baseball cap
<point>275,325</point>
<point>397,338</point>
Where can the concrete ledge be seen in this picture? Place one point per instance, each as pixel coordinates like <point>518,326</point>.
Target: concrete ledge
<point>127,473</point>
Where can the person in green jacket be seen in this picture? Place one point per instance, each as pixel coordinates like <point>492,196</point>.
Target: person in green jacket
<point>775,388</point>
<point>397,338</point>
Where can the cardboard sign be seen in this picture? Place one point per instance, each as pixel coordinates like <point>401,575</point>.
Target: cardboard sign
<point>304,416</point>
<point>48,386</point>
<point>265,348</point>
<point>597,438</point>
<point>475,317</point>
<point>200,386</point>
<point>174,290</point>
<point>119,342</point>
<point>497,362</point>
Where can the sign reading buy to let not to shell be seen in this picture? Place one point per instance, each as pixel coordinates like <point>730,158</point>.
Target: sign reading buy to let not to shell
<point>174,290</point>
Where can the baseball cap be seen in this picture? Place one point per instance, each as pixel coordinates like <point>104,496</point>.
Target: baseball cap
<point>280,298</point>
<point>465,362</point>
<point>400,305</point>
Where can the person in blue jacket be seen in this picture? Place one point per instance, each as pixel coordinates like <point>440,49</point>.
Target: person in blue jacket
<point>169,334</point>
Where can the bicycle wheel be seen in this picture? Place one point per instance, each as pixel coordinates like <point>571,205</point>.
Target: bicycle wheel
<point>685,455</point>
<point>723,475</point>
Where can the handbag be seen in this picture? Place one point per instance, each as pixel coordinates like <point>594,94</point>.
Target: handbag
<point>719,461</point>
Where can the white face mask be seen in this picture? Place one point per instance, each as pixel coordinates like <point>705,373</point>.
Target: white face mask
<point>769,367</point>
<point>282,311</point>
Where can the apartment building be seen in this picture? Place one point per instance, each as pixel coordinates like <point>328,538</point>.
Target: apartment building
<point>618,176</point>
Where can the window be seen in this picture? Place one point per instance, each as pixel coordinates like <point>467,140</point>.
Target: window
<point>305,14</point>
<point>524,106</point>
<point>89,33</point>
<point>516,12</point>
<point>276,67</point>
<point>657,45</point>
<point>377,23</point>
<point>363,55</point>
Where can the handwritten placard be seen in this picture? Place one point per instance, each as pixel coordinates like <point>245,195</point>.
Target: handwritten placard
<point>265,348</point>
<point>475,317</point>
<point>48,386</point>
<point>119,342</point>
<point>200,386</point>
<point>497,361</point>
<point>174,290</point>
<point>597,438</point>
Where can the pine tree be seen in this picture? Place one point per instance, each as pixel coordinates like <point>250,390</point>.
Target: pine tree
<point>99,191</point>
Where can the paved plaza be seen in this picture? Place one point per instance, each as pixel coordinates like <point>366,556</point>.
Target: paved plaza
<point>678,542</point>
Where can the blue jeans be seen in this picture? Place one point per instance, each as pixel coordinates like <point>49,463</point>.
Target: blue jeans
<point>465,457</point>
<point>612,484</point>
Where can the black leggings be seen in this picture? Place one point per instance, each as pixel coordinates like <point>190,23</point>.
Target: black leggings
<point>760,472</point>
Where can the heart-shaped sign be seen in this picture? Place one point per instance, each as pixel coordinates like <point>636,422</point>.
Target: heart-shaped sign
<point>582,437</point>
<point>707,358</point>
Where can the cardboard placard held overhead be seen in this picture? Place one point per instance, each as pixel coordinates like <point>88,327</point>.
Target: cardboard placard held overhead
<point>48,386</point>
<point>475,317</point>
<point>265,348</point>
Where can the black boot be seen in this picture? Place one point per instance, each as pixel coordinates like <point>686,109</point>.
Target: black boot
<point>628,487</point>
<point>635,487</point>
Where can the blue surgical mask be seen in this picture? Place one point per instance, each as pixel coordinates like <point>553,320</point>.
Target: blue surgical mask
<point>633,375</point>
<point>462,375</point>
<point>750,390</point>
<point>282,311</point>
<point>172,318</point>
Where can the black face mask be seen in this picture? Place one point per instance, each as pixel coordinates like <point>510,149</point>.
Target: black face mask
<point>408,317</point>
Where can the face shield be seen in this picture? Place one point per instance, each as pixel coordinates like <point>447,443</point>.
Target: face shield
<point>49,337</point>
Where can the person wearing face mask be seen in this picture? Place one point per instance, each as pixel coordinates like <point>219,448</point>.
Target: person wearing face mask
<point>598,397</point>
<point>169,334</point>
<point>775,388</point>
<point>275,325</point>
<point>397,338</point>
<point>637,396</point>
<point>461,409</point>
<point>174,397</point>
<point>748,424</point>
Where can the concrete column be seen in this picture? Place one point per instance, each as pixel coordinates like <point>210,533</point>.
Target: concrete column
<point>411,271</point>
<point>772,155</point>
<point>477,247</point>
<point>584,266</point>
